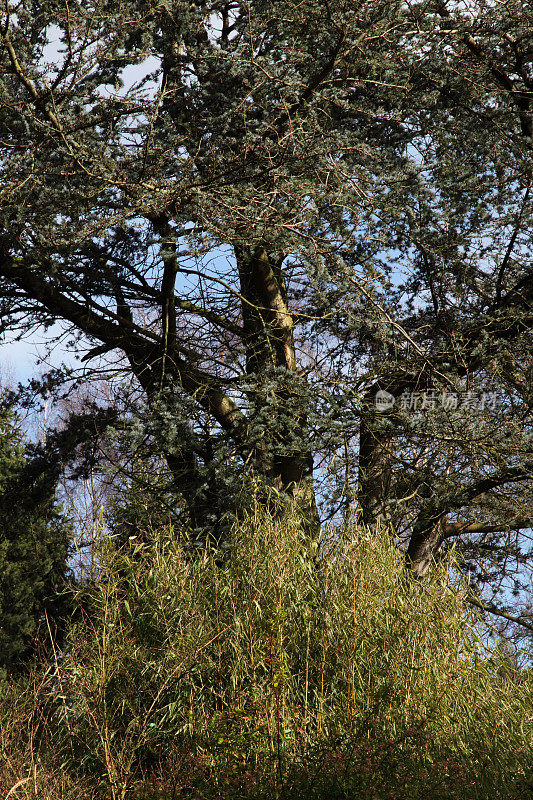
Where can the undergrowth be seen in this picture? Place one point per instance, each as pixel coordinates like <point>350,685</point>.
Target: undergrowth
<point>268,676</point>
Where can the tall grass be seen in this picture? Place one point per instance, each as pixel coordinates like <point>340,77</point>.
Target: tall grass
<point>271,676</point>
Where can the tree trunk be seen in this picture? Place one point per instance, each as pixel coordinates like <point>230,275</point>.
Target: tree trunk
<point>374,467</point>
<point>423,546</point>
<point>269,344</point>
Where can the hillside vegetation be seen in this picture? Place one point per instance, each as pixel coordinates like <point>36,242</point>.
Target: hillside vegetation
<point>269,675</point>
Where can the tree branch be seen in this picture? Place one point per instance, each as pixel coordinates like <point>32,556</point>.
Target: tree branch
<point>492,609</point>
<point>520,98</point>
<point>427,534</point>
<point>451,529</point>
<point>139,350</point>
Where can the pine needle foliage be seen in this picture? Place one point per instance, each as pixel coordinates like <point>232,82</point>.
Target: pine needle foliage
<point>34,549</point>
<point>266,219</point>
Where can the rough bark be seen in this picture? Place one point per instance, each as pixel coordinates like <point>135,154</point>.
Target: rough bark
<point>424,544</point>
<point>269,343</point>
<point>374,467</point>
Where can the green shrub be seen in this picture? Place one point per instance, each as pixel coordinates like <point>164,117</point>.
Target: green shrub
<point>274,677</point>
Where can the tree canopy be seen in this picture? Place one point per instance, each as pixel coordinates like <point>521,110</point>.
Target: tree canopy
<point>302,232</point>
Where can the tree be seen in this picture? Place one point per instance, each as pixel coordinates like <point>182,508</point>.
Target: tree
<point>270,212</point>
<point>34,548</point>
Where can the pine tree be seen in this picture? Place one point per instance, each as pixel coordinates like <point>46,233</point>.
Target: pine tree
<point>34,546</point>
<point>297,207</point>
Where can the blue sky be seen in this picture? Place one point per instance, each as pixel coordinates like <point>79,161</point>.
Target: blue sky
<point>22,360</point>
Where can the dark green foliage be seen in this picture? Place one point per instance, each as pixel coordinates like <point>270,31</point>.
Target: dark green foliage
<point>34,546</point>
<point>142,504</point>
<point>298,205</point>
